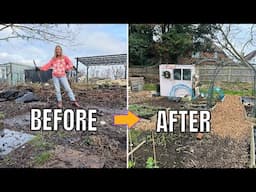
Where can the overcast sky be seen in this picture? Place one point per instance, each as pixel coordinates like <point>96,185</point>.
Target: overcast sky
<point>91,39</point>
<point>240,34</point>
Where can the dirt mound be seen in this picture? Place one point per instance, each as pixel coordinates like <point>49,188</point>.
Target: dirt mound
<point>84,149</point>
<point>228,119</point>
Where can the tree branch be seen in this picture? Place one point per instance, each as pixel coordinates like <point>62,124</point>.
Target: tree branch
<point>235,52</point>
<point>49,33</point>
<point>250,40</point>
<point>5,26</point>
<point>10,37</point>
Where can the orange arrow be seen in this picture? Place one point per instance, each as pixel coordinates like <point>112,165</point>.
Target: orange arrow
<point>130,119</point>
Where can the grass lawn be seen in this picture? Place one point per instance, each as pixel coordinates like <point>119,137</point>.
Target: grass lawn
<point>150,87</point>
<point>235,88</point>
<point>229,88</point>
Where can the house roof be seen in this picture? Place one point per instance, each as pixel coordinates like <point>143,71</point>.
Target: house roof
<point>217,49</point>
<point>250,55</point>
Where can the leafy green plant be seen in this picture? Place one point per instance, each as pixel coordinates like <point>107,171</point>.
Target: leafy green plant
<point>87,140</point>
<point>39,143</point>
<point>150,163</point>
<point>42,158</point>
<point>131,164</point>
<point>134,136</point>
<point>143,111</point>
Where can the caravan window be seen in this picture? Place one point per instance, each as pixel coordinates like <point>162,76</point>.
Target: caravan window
<point>187,74</point>
<point>177,74</point>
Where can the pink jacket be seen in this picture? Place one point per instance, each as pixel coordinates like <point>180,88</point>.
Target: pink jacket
<point>59,66</point>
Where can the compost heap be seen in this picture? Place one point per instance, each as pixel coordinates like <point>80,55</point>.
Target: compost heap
<point>228,119</point>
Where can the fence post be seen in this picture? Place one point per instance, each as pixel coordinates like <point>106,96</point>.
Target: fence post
<point>229,73</point>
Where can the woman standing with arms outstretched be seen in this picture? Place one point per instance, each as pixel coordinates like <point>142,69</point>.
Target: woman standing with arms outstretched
<point>60,65</point>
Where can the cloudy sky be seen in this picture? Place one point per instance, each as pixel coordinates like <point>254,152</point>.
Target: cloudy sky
<point>90,40</point>
<point>239,34</point>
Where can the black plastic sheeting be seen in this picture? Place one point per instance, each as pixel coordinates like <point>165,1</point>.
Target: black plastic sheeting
<point>27,97</point>
<point>34,76</point>
<point>24,96</point>
<point>247,100</point>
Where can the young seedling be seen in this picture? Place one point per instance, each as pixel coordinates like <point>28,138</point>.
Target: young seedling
<point>131,164</point>
<point>150,163</point>
<point>42,158</point>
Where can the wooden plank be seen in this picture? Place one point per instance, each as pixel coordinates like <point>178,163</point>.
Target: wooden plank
<point>252,149</point>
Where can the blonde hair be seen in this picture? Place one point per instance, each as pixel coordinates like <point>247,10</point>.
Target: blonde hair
<point>55,55</point>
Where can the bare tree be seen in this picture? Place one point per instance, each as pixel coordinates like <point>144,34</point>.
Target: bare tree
<point>114,71</point>
<point>108,73</point>
<point>226,39</point>
<point>82,71</point>
<point>55,33</point>
<point>120,72</point>
<point>117,72</point>
<point>97,73</point>
<point>93,72</point>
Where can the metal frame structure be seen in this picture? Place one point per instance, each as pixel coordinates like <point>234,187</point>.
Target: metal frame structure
<point>219,66</point>
<point>14,72</point>
<point>118,59</point>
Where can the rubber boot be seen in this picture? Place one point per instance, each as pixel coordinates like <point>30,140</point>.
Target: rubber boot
<point>76,104</point>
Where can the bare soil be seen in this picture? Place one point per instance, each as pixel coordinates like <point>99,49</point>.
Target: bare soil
<point>183,150</point>
<point>146,98</point>
<point>106,147</point>
<point>226,146</point>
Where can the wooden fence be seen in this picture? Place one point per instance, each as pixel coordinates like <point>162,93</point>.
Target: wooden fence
<point>230,73</point>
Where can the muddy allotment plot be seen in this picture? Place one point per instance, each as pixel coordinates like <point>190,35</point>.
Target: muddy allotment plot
<point>226,146</point>
<point>65,149</point>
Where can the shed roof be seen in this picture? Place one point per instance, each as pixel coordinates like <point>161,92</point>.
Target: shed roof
<point>17,64</point>
<point>118,59</point>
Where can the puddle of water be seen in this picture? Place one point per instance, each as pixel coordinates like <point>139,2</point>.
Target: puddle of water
<point>12,140</point>
<point>19,120</point>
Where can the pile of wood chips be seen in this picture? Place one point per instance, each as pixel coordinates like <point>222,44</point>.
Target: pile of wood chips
<point>228,119</point>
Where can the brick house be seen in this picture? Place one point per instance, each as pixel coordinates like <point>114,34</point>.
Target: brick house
<point>151,73</point>
<point>194,57</point>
